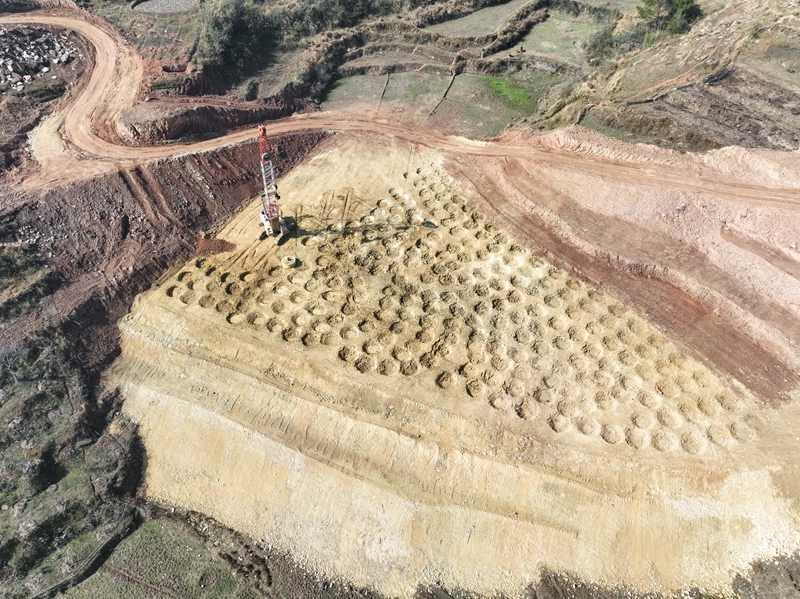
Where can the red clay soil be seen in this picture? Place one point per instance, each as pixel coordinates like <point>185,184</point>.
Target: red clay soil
<point>112,236</point>
<point>209,247</point>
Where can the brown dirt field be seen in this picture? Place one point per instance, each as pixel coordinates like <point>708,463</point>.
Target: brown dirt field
<point>423,399</point>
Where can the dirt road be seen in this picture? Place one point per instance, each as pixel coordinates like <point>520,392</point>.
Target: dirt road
<point>79,141</point>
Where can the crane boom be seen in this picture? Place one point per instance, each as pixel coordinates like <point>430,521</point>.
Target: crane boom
<point>271,214</point>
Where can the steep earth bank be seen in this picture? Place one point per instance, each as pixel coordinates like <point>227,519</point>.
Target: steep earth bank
<point>154,122</point>
<point>126,229</point>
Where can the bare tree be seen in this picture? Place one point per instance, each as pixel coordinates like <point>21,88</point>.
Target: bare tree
<point>8,360</point>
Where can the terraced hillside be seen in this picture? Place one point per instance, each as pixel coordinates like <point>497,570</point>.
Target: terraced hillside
<point>404,395</point>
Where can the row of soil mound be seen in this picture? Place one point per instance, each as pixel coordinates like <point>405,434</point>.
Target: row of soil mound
<point>424,287</point>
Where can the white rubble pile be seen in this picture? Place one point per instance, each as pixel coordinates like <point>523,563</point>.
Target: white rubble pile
<point>27,54</point>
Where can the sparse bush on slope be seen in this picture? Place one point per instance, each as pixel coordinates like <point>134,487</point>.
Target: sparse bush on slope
<point>235,35</point>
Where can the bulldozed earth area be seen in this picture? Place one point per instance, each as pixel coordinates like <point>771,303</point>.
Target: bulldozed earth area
<point>402,394</point>
<point>540,364</point>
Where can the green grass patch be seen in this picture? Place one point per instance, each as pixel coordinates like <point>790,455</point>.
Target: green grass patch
<point>165,558</point>
<point>515,95</point>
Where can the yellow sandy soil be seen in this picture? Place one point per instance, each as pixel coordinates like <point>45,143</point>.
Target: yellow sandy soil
<point>421,400</point>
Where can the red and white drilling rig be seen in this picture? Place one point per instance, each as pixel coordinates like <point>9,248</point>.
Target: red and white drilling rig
<point>271,214</point>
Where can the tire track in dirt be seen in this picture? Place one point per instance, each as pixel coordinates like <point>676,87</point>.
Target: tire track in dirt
<point>130,180</point>
<point>774,256</point>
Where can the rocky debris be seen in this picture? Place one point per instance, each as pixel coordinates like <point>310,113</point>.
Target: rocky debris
<point>28,53</point>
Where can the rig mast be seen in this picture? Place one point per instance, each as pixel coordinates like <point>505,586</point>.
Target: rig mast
<point>271,214</point>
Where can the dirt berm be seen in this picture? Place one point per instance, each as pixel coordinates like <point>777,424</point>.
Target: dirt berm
<point>401,394</point>
<point>150,123</point>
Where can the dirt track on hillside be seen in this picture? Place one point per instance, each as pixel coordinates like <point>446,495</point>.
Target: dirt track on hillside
<point>88,125</point>
<point>81,141</point>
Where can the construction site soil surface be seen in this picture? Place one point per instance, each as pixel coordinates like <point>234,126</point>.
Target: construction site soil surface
<point>471,360</point>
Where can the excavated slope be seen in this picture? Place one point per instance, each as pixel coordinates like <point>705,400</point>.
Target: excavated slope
<point>402,394</point>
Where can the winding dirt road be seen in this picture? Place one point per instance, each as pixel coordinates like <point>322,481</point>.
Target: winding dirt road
<point>77,142</point>
<point>80,140</point>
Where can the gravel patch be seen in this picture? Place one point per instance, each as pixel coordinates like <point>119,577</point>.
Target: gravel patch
<point>165,6</point>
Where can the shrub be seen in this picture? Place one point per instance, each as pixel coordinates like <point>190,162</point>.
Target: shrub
<point>672,15</point>
<point>235,34</point>
<point>252,90</point>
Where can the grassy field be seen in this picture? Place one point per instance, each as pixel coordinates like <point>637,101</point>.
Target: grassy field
<point>560,37</point>
<point>163,559</point>
<point>481,22</point>
<point>416,92</point>
<point>359,90</point>
<point>483,106</point>
<point>475,106</point>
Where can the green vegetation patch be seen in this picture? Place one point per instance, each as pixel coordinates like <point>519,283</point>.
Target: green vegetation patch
<point>163,558</point>
<point>672,15</point>
<point>235,35</point>
<point>65,480</point>
<point>516,95</point>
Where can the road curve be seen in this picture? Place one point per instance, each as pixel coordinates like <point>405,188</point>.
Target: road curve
<point>68,146</point>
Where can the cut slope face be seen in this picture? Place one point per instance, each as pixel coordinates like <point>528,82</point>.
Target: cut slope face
<point>401,395</point>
